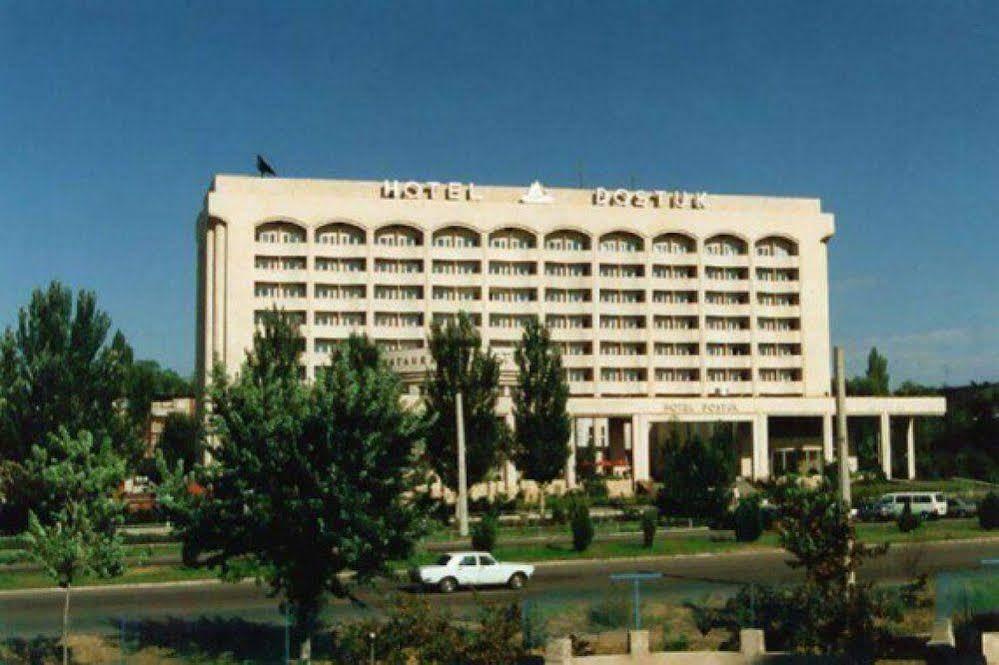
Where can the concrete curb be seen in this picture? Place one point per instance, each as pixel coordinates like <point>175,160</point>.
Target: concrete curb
<point>559,563</point>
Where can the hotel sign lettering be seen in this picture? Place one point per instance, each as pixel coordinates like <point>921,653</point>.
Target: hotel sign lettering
<point>640,198</point>
<point>710,408</point>
<point>447,191</point>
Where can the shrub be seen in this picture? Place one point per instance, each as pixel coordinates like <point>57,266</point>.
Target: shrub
<point>558,507</point>
<point>907,521</point>
<point>534,626</point>
<point>484,533</point>
<point>649,519</point>
<point>582,526</point>
<point>988,511</point>
<point>596,489</point>
<point>748,520</point>
<point>611,612</point>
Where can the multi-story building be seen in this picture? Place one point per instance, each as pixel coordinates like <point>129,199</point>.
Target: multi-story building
<point>667,306</point>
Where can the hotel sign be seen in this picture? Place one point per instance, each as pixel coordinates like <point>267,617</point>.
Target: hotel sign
<point>447,191</point>
<point>640,198</point>
<point>710,408</point>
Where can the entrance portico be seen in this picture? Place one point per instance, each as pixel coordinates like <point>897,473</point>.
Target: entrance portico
<point>623,427</point>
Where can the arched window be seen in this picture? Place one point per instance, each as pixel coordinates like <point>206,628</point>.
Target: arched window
<point>340,233</point>
<point>399,235</point>
<point>725,245</point>
<point>511,238</point>
<point>456,236</point>
<point>279,232</point>
<point>621,241</point>
<point>567,239</point>
<point>674,243</point>
<point>776,246</point>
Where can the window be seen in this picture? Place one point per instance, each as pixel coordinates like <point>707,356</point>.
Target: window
<point>467,561</point>
<point>486,560</point>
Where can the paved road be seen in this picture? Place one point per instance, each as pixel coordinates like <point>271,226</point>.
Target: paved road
<point>689,577</point>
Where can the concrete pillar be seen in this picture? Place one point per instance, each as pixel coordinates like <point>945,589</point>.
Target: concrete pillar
<point>885,447</point>
<point>761,448</point>
<point>828,454</point>
<point>510,476</point>
<point>640,448</point>
<point>570,462</point>
<point>910,446</point>
<point>752,644</point>
<point>627,435</point>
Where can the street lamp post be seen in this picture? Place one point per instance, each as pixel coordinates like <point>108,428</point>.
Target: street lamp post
<point>842,447</point>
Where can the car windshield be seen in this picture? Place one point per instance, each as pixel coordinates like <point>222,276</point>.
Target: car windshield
<point>443,559</point>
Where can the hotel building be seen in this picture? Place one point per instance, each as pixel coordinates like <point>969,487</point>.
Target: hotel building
<point>668,306</point>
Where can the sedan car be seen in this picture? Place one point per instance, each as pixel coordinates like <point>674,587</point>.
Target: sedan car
<point>471,569</point>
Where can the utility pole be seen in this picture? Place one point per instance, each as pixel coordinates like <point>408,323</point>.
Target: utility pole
<point>842,448</point>
<point>462,506</point>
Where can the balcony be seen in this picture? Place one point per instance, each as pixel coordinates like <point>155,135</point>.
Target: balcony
<point>512,281</point>
<point>630,362</point>
<point>398,332</point>
<point>455,306</point>
<point>726,260</point>
<point>726,285</point>
<point>456,253</point>
<point>625,283</point>
<point>778,336</point>
<point>728,362</point>
<point>580,387</point>
<point>674,309</point>
<point>401,251</point>
<point>780,387</point>
<point>776,261</point>
<point>511,306</point>
<point>624,387</point>
<point>675,334</point>
<point>624,308</point>
<point>567,307</point>
<point>741,336</point>
<point>623,334</point>
<point>571,334</point>
<point>397,278</point>
<point>726,309</point>
<point>677,362</point>
<point>729,388</point>
<point>778,311</point>
<point>778,362</point>
<point>676,387</point>
<point>339,251</point>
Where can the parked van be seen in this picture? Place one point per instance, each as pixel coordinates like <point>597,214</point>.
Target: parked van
<point>923,504</point>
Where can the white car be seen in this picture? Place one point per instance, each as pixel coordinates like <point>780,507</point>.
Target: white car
<point>473,569</point>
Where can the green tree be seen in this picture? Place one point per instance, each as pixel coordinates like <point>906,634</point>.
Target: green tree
<point>181,440</point>
<point>865,432</point>
<point>460,364</point>
<point>699,475</point>
<point>541,424</point>
<point>146,381</point>
<point>76,533</point>
<point>59,368</point>
<point>307,480</point>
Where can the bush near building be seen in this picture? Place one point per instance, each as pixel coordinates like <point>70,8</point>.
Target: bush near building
<point>649,524</point>
<point>748,520</point>
<point>582,526</point>
<point>988,511</point>
<point>484,533</point>
<point>907,521</point>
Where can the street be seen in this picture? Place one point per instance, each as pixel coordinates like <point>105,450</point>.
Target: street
<point>29,613</point>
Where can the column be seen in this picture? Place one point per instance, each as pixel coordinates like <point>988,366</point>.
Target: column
<point>640,448</point>
<point>885,447</point>
<point>828,454</point>
<point>761,448</point>
<point>570,462</point>
<point>910,446</point>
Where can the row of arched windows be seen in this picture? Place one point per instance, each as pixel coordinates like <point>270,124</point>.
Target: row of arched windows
<point>343,233</point>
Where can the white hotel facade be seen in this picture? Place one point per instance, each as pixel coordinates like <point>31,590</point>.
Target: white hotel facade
<point>668,306</point>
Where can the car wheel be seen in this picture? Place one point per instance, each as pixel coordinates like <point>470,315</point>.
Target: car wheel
<point>447,585</point>
<point>517,581</point>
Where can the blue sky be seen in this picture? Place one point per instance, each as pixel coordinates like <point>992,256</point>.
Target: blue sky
<point>114,116</point>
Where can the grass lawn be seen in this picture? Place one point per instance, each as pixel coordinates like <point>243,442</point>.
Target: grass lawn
<point>541,552</point>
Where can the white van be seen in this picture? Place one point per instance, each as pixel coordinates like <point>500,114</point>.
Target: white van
<point>923,504</point>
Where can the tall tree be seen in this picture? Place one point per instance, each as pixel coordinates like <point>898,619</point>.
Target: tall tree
<point>181,440</point>
<point>146,381</point>
<point>874,382</point>
<point>541,424</point>
<point>59,368</point>
<point>307,480</point>
<point>460,364</point>
<point>699,474</point>
<point>76,533</point>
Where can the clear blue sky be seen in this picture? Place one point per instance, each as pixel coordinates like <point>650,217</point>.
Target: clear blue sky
<point>115,115</point>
